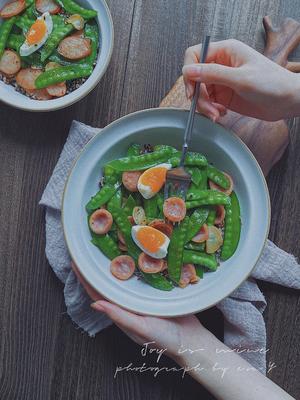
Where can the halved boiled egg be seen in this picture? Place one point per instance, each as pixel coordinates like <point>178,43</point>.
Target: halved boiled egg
<point>152,180</point>
<point>37,34</point>
<point>150,240</point>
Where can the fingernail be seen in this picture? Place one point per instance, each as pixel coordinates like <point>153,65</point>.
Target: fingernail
<point>98,306</point>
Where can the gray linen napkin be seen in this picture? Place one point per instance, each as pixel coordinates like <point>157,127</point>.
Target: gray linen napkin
<point>244,324</point>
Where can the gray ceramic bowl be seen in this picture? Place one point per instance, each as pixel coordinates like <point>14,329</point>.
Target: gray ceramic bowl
<point>222,148</point>
<point>10,96</point>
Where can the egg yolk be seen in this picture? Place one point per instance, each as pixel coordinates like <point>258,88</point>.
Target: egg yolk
<point>154,178</point>
<point>36,32</point>
<point>150,238</point>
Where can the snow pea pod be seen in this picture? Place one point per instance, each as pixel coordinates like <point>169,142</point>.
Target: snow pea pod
<point>107,245</point>
<point>53,41</point>
<point>217,176</point>
<point>194,193</point>
<point>207,260</point>
<point>196,175</point>
<point>214,198</point>
<point>115,201</point>
<point>91,32</point>
<point>195,246</point>
<point>73,8</point>
<point>192,159</point>
<point>129,205</point>
<point>157,281</point>
<point>232,228</point>
<point>134,150</point>
<point>14,41</point>
<point>101,197</point>
<point>203,183</point>
<point>24,22</point>
<point>120,218</point>
<point>62,74</point>
<point>150,207</point>
<point>199,271</point>
<point>57,58</point>
<point>141,162</point>
<point>175,251</point>
<point>211,216</point>
<point>197,219</point>
<point>5,29</point>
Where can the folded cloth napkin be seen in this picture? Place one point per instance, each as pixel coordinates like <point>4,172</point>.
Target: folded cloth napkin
<point>244,328</point>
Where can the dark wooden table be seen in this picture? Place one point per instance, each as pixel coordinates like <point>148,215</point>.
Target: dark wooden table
<point>42,354</point>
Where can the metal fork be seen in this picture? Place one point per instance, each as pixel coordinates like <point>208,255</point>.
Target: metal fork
<point>178,180</point>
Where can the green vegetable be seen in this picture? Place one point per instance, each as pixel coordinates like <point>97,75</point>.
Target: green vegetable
<point>150,207</point>
<point>195,246</point>
<point>115,201</point>
<point>91,32</point>
<point>211,216</point>
<point>57,58</point>
<point>101,197</point>
<point>217,176</point>
<point>214,198</point>
<point>192,159</point>
<point>129,205</point>
<point>141,162</point>
<point>106,244</point>
<point>134,150</point>
<point>14,41</point>
<point>5,29</point>
<point>203,183</point>
<point>197,219</point>
<point>157,281</point>
<point>53,41</point>
<point>206,260</point>
<point>232,228</point>
<point>199,271</point>
<point>57,20</point>
<point>73,8</point>
<point>62,74</point>
<point>175,250</point>
<point>194,193</point>
<point>120,218</point>
<point>196,175</point>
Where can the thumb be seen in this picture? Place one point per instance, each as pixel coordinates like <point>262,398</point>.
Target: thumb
<point>212,74</point>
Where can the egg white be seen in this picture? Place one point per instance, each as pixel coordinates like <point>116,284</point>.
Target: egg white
<point>145,190</point>
<point>163,250</point>
<point>27,49</point>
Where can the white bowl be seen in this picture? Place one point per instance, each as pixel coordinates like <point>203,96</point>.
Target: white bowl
<point>10,96</point>
<point>226,151</point>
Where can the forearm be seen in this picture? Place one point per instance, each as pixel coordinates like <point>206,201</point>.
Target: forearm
<point>226,375</point>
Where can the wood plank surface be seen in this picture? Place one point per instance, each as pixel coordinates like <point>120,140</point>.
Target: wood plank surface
<point>42,355</point>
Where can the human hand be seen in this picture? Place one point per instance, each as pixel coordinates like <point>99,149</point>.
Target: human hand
<point>169,334</point>
<point>238,78</point>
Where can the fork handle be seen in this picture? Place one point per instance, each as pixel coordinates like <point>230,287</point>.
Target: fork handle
<point>191,117</point>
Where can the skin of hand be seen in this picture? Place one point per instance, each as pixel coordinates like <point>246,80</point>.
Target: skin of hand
<point>238,78</point>
<point>225,374</point>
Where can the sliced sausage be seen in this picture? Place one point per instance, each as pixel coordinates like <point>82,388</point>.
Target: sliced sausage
<point>100,221</point>
<point>188,275</point>
<point>39,94</point>
<point>122,246</point>
<point>228,191</point>
<point>12,9</point>
<point>75,48</point>
<point>220,216</point>
<point>26,78</point>
<point>122,267</point>
<point>10,63</point>
<point>49,6</point>
<point>57,90</point>
<point>130,180</point>
<point>202,235</point>
<point>174,209</point>
<point>150,265</point>
<point>162,226</point>
<point>214,241</point>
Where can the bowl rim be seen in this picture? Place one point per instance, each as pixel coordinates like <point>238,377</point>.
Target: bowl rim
<point>196,309</point>
<point>46,105</point>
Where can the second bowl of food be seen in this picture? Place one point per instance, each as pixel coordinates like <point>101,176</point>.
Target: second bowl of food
<point>52,52</point>
<point>161,256</point>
